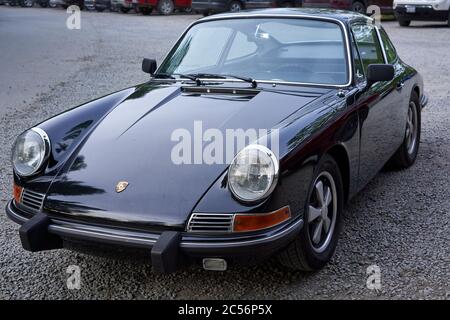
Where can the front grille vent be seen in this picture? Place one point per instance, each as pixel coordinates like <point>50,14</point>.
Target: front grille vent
<point>32,200</point>
<point>210,223</point>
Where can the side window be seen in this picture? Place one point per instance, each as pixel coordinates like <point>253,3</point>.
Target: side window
<point>241,47</point>
<point>368,44</point>
<point>357,65</point>
<point>391,54</point>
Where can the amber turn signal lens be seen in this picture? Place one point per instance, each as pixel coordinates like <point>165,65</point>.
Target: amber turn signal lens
<point>253,222</point>
<point>17,192</point>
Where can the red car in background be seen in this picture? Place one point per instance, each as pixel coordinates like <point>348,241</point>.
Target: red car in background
<point>164,7</point>
<point>360,6</point>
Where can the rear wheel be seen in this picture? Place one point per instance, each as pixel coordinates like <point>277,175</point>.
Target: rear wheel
<point>359,7</point>
<point>318,238</point>
<point>124,10</point>
<point>406,155</point>
<point>404,23</point>
<point>165,7</point>
<point>98,9</point>
<point>235,6</point>
<point>205,13</point>
<point>26,3</point>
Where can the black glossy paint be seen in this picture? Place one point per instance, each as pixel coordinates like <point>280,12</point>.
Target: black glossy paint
<point>127,136</point>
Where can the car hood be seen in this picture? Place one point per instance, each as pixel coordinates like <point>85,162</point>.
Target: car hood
<point>133,144</point>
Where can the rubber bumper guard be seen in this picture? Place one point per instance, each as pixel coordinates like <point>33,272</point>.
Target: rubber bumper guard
<point>35,237</point>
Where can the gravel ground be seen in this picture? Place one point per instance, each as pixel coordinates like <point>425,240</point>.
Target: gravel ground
<point>399,222</point>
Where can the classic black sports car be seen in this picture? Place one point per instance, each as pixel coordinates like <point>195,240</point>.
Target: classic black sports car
<point>172,167</point>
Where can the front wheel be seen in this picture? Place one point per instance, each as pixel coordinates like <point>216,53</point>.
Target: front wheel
<point>406,154</point>
<point>316,243</point>
<point>124,10</point>
<point>235,6</point>
<point>359,7</point>
<point>165,7</point>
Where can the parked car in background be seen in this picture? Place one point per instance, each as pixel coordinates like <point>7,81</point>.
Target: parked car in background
<point>164,7</point>
<point>26,3</point>
<point>359,6</point>
<point>99,5</point>
<point>55,3</point>
<point>67,3</point>
<point>207,7</point>
<point>424,10</point>
<point>122,5</point>
<point>46,3</point>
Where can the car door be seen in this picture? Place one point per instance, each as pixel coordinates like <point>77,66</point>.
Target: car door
<point>378,132</point>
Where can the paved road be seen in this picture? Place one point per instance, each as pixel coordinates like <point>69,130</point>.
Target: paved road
<point>399,222</point>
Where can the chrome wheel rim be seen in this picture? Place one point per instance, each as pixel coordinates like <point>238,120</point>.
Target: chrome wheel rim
<point>322,212</point>
<point>28,3</point>
<point>357,7</point>
<point>411,128</point>
<point>166,7</point>
<point>235,7</point>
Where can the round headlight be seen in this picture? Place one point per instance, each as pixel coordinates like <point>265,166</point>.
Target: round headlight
<point>253,173</point>
<point>30,151</point>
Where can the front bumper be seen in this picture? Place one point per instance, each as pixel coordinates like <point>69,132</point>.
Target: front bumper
<point>421,13</point>
<point>169,249</point>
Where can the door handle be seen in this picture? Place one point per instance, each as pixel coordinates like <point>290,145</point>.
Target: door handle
<point>400,85</point>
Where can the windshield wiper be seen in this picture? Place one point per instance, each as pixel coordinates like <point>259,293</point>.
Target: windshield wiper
<point>181,75</point>
<point>196,77</point>
<point>224,76</point>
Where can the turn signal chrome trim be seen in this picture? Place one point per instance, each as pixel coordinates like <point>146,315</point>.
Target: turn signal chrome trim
<point>254,222</point>
<point>17,192</point>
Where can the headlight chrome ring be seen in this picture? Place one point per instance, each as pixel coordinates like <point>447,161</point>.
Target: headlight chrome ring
<point>271,158</point>
<point>45,144</point>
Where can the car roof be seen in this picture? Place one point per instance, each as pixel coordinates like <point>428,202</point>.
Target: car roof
<point>341,15</point>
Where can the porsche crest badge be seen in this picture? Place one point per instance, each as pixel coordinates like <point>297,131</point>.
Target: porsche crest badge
<point>121,186</point>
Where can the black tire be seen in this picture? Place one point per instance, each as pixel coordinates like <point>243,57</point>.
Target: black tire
<point>165,7</point>
<point>146,11</point>
<point>406,154</point>
<point>206,13</point>
<point>124,10</point>
<point>98,9</point>
<point>359,6</point>
<point>302,254</point>
<point>43,4</point>
<point>404,23</point>
<point>235,6</point>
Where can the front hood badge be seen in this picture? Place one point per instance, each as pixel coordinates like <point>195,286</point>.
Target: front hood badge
<point>121,186</point>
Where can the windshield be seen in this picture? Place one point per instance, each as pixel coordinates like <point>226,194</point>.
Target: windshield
<point>291,50</point>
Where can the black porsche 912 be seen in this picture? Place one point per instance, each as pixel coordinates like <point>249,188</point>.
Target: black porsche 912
<point>151,167</point>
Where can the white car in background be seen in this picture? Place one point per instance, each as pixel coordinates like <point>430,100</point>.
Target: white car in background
<point>423,10</point>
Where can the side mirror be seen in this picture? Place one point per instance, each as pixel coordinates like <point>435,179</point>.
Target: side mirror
<point>149,65</point>
<point>379,72</point>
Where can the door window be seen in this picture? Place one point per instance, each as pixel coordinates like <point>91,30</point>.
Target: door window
<point>368,44</point>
